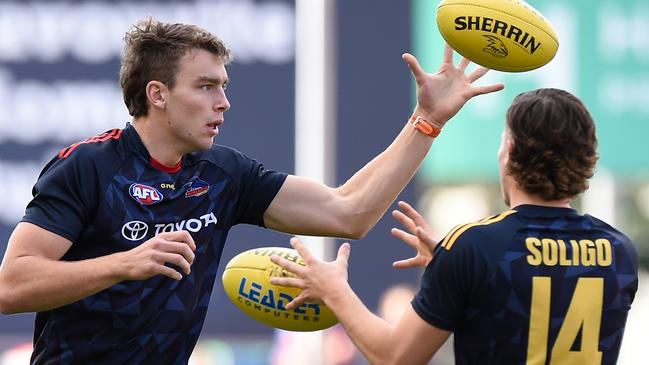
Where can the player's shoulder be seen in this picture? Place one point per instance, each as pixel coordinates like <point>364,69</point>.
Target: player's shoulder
<point>226,158</point>
<point>595,223</point>
<point>94,155</point>
<point>471,234</point>
<point>220,153</point>
<point>95,149</point>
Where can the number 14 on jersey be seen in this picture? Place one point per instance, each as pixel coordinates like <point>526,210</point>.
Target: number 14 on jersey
<point>584,313</point>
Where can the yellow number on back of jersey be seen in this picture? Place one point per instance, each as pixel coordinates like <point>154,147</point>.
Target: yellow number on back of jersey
<point>584,313</point>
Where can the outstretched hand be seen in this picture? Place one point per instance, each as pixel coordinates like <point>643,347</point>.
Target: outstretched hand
<point>317,279</point>
<point>440,96</point>
<point>420,236</point>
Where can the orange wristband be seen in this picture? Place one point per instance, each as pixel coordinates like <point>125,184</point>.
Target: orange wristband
<point>424,126</point>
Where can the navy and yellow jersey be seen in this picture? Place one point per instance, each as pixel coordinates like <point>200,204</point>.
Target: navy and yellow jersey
<point>532,285</point>
<point>107,195</point>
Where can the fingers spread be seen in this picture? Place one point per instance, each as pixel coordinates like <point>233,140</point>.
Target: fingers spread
<point>404,206</point>
<point>409,239</point>
<point>412,213</point>
<point>301,249</point>
<point>478,73</point>
<point>296,302</point>
<point>427,239</point>
<point>463,64</point>
<point>480,90</point>
<point>289,282</point>
<point>406,264</point>
<point>416,69</point>
<point>404,220</point>
<point>448,54</point>
<point>288,265</point>
<point>343,253</point>
<point>423,235</point>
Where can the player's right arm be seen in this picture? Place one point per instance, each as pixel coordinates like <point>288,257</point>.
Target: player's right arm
<point>34,279</point>
<point>411,340</point>
<point>307,207</point>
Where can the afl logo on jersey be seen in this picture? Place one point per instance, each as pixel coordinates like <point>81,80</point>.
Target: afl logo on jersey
<point>145,194</point>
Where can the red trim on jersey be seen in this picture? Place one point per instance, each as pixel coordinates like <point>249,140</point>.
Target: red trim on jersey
<point>164,168</point>
<point>112,134</point>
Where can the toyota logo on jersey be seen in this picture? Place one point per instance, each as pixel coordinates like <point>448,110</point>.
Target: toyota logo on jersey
<point>135,230</point>
<point>145,194</point>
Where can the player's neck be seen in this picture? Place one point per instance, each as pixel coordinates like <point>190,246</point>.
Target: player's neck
<point>157,141</point>
<point>518,197</point>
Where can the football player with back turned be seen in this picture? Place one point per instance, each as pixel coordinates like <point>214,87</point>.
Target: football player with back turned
<point>536,284</point>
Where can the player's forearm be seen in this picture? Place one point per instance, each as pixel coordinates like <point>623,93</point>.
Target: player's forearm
<point>35,284</point>
<point>369,193</point>
<point>371,334</point>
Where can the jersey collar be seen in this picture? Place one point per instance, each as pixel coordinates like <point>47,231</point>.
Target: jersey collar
<point>133,142</point>
<point>541,211</point>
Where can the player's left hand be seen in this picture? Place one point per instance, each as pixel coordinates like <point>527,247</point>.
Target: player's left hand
<point>419,238</point>
<point>317,279</point>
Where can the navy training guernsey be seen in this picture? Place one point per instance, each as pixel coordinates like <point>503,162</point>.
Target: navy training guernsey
<point>106,195</point>
<point>532,285</point>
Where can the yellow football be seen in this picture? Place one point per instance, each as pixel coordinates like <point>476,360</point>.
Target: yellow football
<point>503,35</point>
<point>246,281</point>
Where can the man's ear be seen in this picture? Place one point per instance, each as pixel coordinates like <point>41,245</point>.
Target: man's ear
<point>509,142</point>
<point>506,148</point>
<point>510,145</point>
<point>156,93</point>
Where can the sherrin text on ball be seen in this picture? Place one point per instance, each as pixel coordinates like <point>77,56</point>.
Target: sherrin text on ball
<point>503,35</point>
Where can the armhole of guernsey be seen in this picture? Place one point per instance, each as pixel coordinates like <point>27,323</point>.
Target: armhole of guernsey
<point>456,232</point>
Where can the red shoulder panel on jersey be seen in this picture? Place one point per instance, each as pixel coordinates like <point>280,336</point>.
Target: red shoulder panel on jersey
<point>112,134</point>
